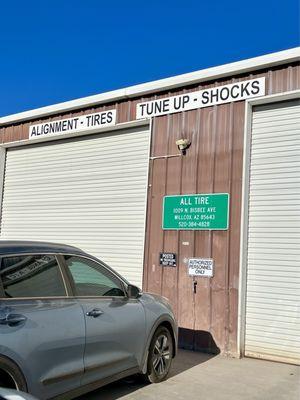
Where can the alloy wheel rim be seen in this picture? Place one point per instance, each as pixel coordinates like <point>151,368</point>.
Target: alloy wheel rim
<point>161,355</point>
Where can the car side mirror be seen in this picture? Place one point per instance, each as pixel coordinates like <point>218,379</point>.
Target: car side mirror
<point>133,292</point>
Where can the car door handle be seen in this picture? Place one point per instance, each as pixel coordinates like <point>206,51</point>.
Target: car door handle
<point>94,313</point>
<point>12,319</point>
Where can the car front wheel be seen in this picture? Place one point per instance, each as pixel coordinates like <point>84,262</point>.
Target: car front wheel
<point>11,376</point>
<point>160,356</point>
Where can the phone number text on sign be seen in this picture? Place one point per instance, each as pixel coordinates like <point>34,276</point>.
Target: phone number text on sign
<point>196,212</point>
<point>201,267</point>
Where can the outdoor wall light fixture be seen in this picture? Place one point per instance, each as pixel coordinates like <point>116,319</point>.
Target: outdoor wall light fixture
<point>183,145</point>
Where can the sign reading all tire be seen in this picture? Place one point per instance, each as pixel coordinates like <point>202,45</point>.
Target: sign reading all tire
<point>196,212</point>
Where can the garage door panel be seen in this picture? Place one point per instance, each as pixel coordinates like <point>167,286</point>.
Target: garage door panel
<point>285,159</point>
<point>283,342</point>
<point>72,184</point>
<point>118,154</point>
<point>284,322</point>
<point>70,230</point>
<point>289,314</point>
<point>270,112</point>
<point>286,147</point>
<point>132,163</point>
<point>89,192</point>
<point>285,242</point>
<point>74,203</point>
<point>273,257</point>
<point>276,114</point>
<point>93,197</point>
<point>273,192</point>
<point>274,294</point>
<point>290,240</point>
<point>267,301</point>
<point>264,275</point>
<point>259,256</point>
<point>265,168</point>
<point>276,138</point>
<point>56,176</point>
<point>267,353</point>
<point>257,326</point>
<point>264,128</point>
<point>279,176</point>
<point>258,349</point>
<point>270,284</point>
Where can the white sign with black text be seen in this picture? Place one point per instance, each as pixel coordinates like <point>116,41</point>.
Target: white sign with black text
<point>201,267</point>
<point>204,98</point>
<point>73,125</point>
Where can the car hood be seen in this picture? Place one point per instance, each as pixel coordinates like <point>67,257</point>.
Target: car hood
<point>152,297</point>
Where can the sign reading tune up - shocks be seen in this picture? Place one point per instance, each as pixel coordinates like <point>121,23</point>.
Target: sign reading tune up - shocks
<point>196,212</point>
<point>204,98</point>
<point>73,125</point>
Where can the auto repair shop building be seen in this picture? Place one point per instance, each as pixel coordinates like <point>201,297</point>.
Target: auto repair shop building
<point>215,230</point>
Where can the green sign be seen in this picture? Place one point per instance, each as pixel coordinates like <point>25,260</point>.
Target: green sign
<point>196,212</point>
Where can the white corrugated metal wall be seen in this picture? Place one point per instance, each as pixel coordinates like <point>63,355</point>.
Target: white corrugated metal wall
<point>273,263</point>
<point>89,192</point>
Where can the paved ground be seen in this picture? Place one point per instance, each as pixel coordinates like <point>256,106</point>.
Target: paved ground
<point>197,376</point>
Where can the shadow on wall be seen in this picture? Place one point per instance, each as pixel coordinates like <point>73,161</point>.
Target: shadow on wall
<point>197,340</point>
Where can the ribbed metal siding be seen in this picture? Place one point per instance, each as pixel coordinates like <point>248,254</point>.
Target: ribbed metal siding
<point>90,193</point>
<point>273,275</point>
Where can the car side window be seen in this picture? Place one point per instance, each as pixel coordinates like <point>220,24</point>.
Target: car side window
<point>91,279</point>
<point>31,276</point>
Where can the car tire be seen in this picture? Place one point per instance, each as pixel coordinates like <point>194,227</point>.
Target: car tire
<point>11,374</point>
<point>160,356</point>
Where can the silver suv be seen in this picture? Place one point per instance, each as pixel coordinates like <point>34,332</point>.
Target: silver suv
<point>70,324</point>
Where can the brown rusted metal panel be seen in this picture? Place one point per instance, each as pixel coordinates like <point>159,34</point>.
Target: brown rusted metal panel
<point>186,305</point>
<point>203,239</point>
<point>207,318</point>
<point>220,253</point>
<point>158,183</point>
<point>170,244</point>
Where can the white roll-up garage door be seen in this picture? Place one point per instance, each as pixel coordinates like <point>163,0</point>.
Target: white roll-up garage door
<point>273,270</point>
<point>89,192</point>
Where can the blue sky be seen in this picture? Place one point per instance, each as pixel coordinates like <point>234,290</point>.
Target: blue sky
<point>58,50</point>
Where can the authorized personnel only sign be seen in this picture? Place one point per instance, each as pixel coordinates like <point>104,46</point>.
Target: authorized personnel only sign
<point>201,267</point>
<point>203,98</point>
<point>72,125</point>
<point>196,212</point>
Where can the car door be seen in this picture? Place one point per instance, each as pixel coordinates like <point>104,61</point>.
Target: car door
<point>41,328</point>
<point>115,324</point>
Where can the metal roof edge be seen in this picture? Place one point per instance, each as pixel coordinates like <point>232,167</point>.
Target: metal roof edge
<point>265,61</point>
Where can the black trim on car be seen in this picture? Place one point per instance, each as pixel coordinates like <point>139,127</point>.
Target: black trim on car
<point>65,275</point>
<point>99,367</point>
<point>2,292</point>
<point>95,385</point>
<point>62,377</point>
